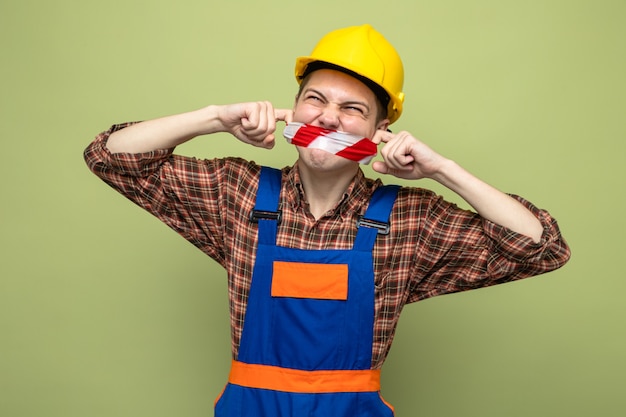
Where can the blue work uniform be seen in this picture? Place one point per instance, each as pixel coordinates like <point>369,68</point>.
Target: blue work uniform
<point>306,345</point>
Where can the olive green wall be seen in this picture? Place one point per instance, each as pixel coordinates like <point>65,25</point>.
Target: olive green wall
<point>106,312</point>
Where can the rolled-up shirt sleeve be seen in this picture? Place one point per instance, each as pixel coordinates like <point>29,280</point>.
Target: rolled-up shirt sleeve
<point>101,161</point>
<point>522,249</point>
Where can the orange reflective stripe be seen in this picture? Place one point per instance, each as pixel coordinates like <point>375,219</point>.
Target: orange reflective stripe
<point>393,410</point>
<point>310,280</point>
<point>219,396</point>
<point>295,380</point>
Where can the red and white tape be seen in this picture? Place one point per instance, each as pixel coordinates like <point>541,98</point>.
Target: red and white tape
<point>354,147</point>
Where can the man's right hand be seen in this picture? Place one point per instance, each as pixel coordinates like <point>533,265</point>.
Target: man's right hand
<point>253,123</point>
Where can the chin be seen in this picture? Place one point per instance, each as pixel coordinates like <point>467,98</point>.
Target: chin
<point>321,160</point>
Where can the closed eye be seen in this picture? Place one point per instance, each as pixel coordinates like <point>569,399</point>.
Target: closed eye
<point>355,109</point>
<point>314,100</point>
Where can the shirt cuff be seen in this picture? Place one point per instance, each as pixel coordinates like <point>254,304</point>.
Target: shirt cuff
<point>521,248</point>
<point>132,164</point>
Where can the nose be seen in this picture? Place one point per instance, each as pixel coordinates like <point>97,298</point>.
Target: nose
<point>329,118</point>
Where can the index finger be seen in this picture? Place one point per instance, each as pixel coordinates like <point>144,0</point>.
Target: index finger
<point>284,115</point>
<point>382,136</point>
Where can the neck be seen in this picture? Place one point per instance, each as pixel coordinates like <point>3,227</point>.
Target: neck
<point>324,189</point>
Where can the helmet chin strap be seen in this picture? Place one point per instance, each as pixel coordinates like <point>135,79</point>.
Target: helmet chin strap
<point>347,145</point>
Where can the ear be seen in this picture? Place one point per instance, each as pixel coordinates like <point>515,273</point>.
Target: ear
<point>383,124</point>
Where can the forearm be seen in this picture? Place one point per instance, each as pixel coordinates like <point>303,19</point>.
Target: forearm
<point>166,132</point>
<point>489,202</point>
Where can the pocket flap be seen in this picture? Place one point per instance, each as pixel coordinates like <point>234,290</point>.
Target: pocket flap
<point>310,280</point>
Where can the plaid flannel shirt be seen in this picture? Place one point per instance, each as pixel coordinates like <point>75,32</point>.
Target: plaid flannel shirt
<point>433,247</point>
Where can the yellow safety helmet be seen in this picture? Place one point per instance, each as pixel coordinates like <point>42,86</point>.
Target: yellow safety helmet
<point>361,50</point>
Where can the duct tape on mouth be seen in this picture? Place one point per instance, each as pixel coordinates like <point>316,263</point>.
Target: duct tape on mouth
<point>347,145</point>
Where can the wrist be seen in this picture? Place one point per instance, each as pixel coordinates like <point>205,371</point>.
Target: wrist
<point>447,173</point>
<point>209,121</point>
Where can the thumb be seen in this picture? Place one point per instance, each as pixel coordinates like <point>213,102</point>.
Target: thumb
<point>380,167</point>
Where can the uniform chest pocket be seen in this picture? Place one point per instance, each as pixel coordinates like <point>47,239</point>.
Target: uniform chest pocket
<point>310,280</point>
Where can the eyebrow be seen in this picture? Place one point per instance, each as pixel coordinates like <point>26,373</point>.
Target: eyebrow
<point>361,103</point>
